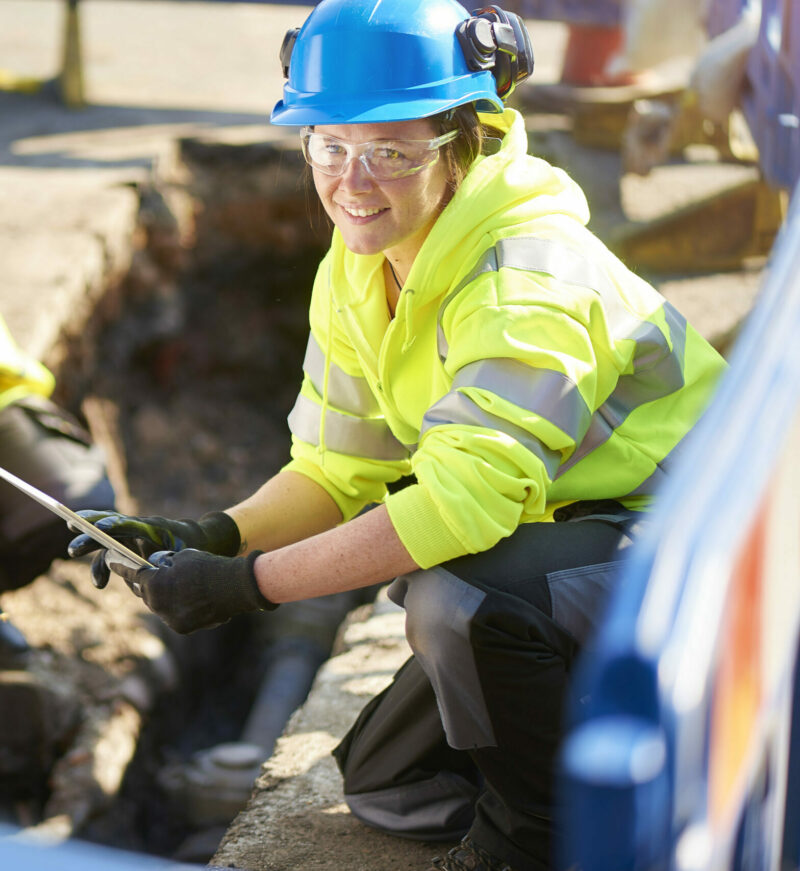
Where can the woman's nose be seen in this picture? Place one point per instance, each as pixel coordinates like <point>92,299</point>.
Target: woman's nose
<point>355,175</point>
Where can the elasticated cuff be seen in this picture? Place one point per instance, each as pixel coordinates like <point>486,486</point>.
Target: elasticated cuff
<point>259,600</point>
<point>221,532</point>
<point>420,527</point>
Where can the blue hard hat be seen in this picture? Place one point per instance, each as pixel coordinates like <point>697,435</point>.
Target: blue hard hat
<point>360,61</point>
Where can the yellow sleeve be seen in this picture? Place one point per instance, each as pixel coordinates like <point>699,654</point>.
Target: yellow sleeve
<point>20,375</point>
<point>487,463</point>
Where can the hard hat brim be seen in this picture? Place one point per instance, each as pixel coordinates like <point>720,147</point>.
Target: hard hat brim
<point>310,109</point>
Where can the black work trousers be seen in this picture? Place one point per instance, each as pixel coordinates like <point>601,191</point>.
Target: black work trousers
<point>466,737</point>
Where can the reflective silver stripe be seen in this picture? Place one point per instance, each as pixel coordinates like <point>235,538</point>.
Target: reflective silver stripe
<point>554,258</point>
<point>657,372</point>
<point>563,263</point>
<point>550,394</point>
<point>487,263</point>
<point>347,392</point>
<point>570,266</point>
<point>652,483</point>
<point>456,408</point>
<point>352,436</point>
<point>649,486</point>
<point>657,368</point>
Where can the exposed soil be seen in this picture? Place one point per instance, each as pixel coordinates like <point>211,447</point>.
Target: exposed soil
<point>189,390</point>
<point>203,378</point>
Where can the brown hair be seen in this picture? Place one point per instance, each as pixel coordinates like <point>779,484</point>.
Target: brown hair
<point>462,151</point>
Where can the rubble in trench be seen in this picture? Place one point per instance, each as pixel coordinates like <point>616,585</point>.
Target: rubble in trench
<point>119,730</point>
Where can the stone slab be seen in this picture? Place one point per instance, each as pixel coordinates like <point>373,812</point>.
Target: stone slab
<point>297,817</point>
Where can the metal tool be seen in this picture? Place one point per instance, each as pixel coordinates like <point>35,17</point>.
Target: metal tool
<point>124,554</point>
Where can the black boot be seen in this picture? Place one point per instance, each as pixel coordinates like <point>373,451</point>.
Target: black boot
<point>468,856</point>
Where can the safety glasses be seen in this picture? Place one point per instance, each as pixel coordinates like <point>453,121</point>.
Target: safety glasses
<point>383,159</point>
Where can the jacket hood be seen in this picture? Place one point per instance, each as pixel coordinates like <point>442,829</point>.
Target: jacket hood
<point>507,189</point>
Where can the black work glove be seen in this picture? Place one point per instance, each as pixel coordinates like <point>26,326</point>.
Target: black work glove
<point>215,532</point>
<point>192,590</point>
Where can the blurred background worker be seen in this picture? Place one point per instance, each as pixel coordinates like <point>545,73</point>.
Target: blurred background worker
<point>46,446</point>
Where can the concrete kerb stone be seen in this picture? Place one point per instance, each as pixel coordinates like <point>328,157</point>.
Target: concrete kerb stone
<point>296,817</point>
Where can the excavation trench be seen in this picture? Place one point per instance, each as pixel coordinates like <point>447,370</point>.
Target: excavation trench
<point>185,375</point>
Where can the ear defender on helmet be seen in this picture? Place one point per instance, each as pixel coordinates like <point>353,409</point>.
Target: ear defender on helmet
<point>496,40</point>
<point>286,49</point>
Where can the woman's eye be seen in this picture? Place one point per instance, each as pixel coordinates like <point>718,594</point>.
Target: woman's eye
<point>387,152</point>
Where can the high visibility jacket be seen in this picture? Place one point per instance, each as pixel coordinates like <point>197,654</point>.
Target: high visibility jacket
<point>20,375</point>
<point>525,368</point>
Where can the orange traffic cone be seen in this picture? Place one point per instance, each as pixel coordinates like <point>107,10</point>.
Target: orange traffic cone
<point>587,54</point>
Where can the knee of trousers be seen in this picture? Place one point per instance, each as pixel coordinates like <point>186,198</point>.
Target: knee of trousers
<point>440,608</point>
<point>438,808</point>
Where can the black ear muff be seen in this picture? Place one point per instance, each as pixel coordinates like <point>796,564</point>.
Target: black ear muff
<point>496,40</point>
<point>286,49</point>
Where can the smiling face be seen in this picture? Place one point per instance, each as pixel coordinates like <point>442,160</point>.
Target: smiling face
<point>392,217</point>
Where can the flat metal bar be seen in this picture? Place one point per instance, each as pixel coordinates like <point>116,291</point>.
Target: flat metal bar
<point>74,520</point>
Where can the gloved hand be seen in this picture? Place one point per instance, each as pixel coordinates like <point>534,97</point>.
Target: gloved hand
<point>193,590</point>
<point>215,532</point>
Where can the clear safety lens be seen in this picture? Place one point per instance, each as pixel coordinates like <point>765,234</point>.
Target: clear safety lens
<point>383,159</point>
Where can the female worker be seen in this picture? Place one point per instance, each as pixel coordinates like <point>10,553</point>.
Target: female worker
<point>467,330</point>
